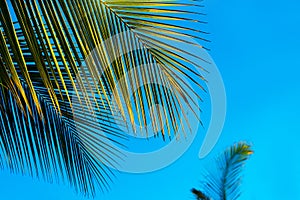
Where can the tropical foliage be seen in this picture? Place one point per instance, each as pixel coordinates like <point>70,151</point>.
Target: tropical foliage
<point>57,58</point>
<point>223,183</point>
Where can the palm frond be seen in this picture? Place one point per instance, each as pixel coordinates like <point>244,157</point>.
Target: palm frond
<point>76,73</point>
<point>53,149</point>
<point>224,183</point>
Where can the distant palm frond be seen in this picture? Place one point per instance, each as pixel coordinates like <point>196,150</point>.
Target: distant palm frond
<point>59,58</point>
<point>224,183</point>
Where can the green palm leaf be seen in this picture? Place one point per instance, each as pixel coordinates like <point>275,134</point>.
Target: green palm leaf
<point>225,181</point>
<point>67,93</point>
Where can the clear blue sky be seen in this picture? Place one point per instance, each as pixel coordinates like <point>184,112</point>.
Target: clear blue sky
<point>256,47</point>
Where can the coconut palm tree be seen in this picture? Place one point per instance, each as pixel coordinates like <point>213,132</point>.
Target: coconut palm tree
<point>65,92</point>
<point>223,183</point>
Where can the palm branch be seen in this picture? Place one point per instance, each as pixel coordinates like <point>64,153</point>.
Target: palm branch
<point>224,183</point>
<point>57,59</point>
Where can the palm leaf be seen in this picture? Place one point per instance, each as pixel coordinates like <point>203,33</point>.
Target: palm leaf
<point>225,181</point>
<point>67,86</point>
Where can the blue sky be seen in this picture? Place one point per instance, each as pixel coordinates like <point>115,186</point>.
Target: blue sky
<point>256,47</point>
